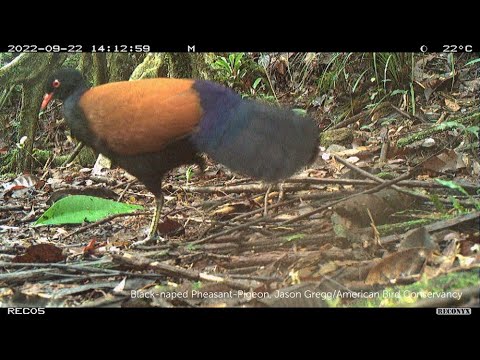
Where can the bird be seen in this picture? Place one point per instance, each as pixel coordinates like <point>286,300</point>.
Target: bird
<point>151,126</point>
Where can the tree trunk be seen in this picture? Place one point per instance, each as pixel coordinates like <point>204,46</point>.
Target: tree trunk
<point>175,65</point>
<point>32,94</point>
<point>86,64</point>
<point>100,72</point>
<point>122,65</point>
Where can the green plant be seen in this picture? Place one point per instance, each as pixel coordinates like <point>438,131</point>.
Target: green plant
<point>467,130</point>
<point>471,62</point>
<point>239,71</point>
<point>334,70</point>
<point>231,69</point>
<point>189,174</point>
<point>454,186</point>
<point>396,68</point>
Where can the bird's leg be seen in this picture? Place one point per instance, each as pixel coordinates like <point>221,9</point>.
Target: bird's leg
<point>281,194</point>
<point>265,212</point>
<point>152,230</point>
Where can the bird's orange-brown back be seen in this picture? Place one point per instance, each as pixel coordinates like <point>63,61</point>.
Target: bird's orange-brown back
<point>135,117</point>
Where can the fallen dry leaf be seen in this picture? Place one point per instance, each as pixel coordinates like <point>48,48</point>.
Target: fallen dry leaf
<point>398,265</point>
<point>452,105</point>
<point>417,238</point>
<point>90,248</point>
<point>170,227</point>
<point>42,253</point>
<point>448,160</point>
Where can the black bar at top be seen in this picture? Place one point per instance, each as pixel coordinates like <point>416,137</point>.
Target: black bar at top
<point>259,44</point>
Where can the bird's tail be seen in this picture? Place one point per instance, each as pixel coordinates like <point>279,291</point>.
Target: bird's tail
<point>261,141</point>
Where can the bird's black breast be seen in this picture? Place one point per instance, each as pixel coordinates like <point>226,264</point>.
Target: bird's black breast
<point>148,167</point>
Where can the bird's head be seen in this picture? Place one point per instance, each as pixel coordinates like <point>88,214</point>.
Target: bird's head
<point>61,84</point>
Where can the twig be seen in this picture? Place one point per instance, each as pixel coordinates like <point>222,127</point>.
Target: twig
<point>257,211</point>
<point>265,201</point>
<point>169,270</point>
<point>351,120</point>
<point>251,188</point>
<point>405,183</point>
<point>375,189</point>
<point>22,276</point>
<point>124,191</point>
<point>385,145</point>
<point>12,208</point>
<point>436,226</point>
<point>247,188</point>
<point>99,222</point>
<point>229,231</point>
<point>104,301</point>
<point>40,273</point>
<point>407,115</point>
<point>358,116</point>
<point>392,183</point>
<point>74,154</point>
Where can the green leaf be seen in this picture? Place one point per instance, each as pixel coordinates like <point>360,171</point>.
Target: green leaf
<point>222,64</point>
<point>196,285</point>
<point>452,185</point>
<point>294,237</point>
<point>358,81</point>
<point>301,112</point>
<point>474,61</point>
<point>256,82</point>
<point>456,205</point>
<point>366,127</point>
<point>77,209</point>
<point>437,203</point>
<point>395,92</point>
<point>474,130</point>
<point>447,125</point>
<point>191,247</point>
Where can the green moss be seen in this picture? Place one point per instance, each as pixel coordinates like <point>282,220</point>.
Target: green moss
<point>86,157</point>
<point>41,156</point>
<point>388,229</point>
<point>73,61</point>
<point>343,136</point>
<point>401,296</point>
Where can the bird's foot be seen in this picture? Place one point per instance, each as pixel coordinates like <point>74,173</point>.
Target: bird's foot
<point>148,241</point>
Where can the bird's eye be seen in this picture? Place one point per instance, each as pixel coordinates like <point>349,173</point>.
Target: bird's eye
<point>56,84</point>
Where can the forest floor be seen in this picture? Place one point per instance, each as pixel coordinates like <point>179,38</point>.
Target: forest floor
<point>367,224</point>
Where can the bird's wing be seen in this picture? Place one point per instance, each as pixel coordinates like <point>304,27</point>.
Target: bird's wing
<point>136,117</point>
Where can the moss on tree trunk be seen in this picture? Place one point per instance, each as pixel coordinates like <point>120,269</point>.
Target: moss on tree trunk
<point>122,65</point>
<point>31,71</point>
<point>175,65</point>
<point>100,72</point>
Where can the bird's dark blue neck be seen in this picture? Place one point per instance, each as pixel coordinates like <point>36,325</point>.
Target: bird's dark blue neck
<point>75,117</point>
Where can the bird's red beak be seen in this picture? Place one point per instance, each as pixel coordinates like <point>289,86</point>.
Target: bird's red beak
<point>46,99</point>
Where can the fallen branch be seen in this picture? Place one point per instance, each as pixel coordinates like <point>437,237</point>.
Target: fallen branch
<point>12,208</point>
<point>359,116</point>
<point>74,154</point>
<point>23,276</point>
<point>392,183</point>
<point>177,272</point>
<point>247,188</point>
<point>383,185</point>
<point>436,226</point>
<point>407,115</point>
<point>250,188</point>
